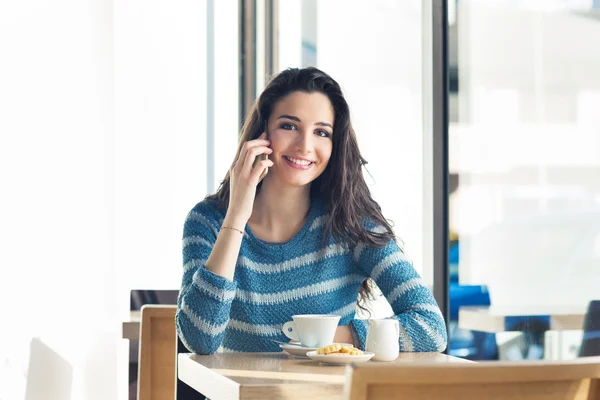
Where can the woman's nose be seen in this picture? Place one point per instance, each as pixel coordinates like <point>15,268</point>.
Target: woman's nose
<point>304,144</point>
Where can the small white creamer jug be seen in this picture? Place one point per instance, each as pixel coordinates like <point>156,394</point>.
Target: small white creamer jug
<point>382,339</point>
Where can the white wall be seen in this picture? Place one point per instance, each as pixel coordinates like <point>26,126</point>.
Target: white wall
<point>160,142</point>
<point>57,271</point>
<point>161,128</point>
<point>226,104</point>
<point>160,136</point>
<point>102,154</point>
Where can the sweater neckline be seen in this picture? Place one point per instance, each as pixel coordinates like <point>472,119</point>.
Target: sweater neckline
<point>312,214</point>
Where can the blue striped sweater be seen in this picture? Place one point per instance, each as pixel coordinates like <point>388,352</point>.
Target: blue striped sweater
<point>272,282</point>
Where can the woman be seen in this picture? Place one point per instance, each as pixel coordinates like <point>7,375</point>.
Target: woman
<point>303,240</point>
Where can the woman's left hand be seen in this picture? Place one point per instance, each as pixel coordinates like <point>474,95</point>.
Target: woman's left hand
<point>343,334</point>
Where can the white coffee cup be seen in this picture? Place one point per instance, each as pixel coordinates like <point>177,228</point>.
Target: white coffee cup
<point>312,330</point>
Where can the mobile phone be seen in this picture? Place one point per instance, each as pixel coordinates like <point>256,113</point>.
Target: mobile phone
<point>262,157</point>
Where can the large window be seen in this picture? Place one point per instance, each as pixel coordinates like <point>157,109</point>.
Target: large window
<point>374,50</point>
<point>525,154</point>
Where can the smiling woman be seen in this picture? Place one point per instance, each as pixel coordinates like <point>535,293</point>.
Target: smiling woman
<point>300,129</point>
<point>306,239</point>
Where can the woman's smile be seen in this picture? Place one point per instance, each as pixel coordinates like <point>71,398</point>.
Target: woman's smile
<point>298,163</point>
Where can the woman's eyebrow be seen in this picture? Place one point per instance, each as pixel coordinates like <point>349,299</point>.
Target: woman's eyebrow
<point>298,120</point>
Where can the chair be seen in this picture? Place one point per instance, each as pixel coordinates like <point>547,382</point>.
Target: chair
<point>158,342</point>
<point>140,297</point>
<point>471,345</point>
<point>137,299</point>
<point>492,380</point>
<point>590,345</point>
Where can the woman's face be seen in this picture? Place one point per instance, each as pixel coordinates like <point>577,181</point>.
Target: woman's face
<point>300,130</point>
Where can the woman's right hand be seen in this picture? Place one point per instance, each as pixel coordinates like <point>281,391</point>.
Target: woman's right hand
<point>243,179</point>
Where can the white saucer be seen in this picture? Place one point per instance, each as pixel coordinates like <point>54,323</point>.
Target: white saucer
<point>338,359</point>
<point>298,350</point>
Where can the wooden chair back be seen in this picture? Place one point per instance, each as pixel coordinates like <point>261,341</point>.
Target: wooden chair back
<point>158,341</point>
<point>528,380</point>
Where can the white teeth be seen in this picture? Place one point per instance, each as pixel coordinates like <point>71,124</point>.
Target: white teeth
<point>299,162</point>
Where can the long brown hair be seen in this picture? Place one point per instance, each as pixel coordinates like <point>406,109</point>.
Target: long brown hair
<point>341,185</point>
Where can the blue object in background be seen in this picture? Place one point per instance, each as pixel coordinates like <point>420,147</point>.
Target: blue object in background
<point>590,346</point>
<point>472,345</point>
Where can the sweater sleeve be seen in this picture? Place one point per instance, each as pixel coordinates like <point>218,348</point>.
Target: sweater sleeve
<point>422,326</point>
<point>205,298</point>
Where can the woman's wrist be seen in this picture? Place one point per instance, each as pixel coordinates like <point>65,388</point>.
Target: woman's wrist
<point>235,222</point>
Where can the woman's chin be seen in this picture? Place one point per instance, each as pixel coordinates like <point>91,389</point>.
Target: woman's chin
<point>276,178</point>
<point>297,183</point>
<point>288,181</point>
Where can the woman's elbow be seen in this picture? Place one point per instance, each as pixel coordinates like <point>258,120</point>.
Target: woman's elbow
<point>437,344</point>
<point>442,344</point>
<point>196,341</point>
<point>435,335</point>
<point>204,349</point>
<point>441,336</point>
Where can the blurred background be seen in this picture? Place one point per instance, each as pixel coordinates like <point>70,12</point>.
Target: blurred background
<point>117,117</point>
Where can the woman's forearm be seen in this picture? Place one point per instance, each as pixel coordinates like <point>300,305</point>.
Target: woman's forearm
<point>224,254</point>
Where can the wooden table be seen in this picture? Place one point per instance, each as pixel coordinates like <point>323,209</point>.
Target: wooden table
<point>223,376</point>
<point>493,319</point>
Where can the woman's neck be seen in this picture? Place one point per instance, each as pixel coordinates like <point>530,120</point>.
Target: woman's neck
<point>279,214</point>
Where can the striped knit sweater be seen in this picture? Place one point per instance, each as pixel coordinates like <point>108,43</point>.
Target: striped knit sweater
<point>274,281</point>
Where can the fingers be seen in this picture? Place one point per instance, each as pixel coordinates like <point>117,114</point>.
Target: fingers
<point>251,155</point>
<point>259,169</point>
<point>261,141</point>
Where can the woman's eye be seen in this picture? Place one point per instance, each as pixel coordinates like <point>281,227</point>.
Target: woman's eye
<point>322,133</point>
<point>288,127</point>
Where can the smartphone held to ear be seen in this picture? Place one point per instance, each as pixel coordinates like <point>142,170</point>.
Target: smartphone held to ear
<point>262,156</point>
<point>257,160</point>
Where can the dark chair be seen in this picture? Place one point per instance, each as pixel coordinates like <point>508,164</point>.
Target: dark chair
<point>185,392</point>
<point>139,298</point>
<point>590,345</point>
